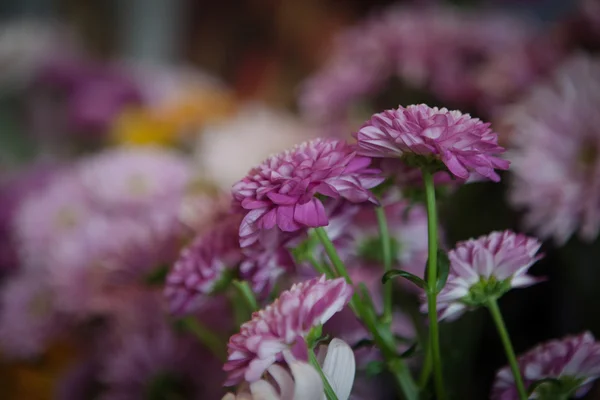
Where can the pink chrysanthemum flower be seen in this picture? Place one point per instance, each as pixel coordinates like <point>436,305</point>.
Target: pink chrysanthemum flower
<point>563,197</point>
<point>484,268</point>
<point>281,191</point>
<point>283,326</point>
<point>28,317</point>
<point>130,179</point>
<point>573,362</point>
<point>203,265</point>
<point>422,135</point>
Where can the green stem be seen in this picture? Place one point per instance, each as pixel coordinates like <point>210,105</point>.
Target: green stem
<point>321,268</point>
<point>381,333</point>
<point>432,273</point>
<point>510,353</point>
<point>384,235</point>
<point>426,370</point>
<point>205,336</point>
<point>329,392</point>
<point>247,295</point>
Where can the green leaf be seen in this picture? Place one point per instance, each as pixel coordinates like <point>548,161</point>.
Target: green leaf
<point>532,388</point>
<point>363,343</point>
<point>443,270</point>
<point>406,275</point>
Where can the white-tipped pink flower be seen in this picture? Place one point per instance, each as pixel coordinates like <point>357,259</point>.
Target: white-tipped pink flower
<point>422,135</point>
<point>283,326</point>
<point>486,268</point>
<point>304,382</point>
<point>281,192</point>
<point>572,363</point>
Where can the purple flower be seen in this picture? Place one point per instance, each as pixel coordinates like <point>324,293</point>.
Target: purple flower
<point>420,135</point>
<point>563,197</point>
<point>130,180</point>
<point>484,268</point>
<point>573,361</point>
<point>28,317</point>
<point>203,265</point>
<point>281,191</point>
<point>283,326</point>
<point>146,357</point>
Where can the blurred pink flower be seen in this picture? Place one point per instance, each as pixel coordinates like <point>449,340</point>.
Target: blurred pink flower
<point>562,197</point>
<point>226,150</point>
<point>486,267</point>
<point>574,361</point>
<point>146,357</point>
<point>281,191</point>
<point>28,317</point>
<point>203,265</point>
<point>283,326</point>
<point>421,133</point>
<point>132,179</point>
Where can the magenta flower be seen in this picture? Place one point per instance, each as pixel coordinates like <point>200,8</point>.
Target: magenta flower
<point>28,317</point>
<point>283,326</point>
<point>574,362</point>
<point>281,191</point>
<point>203,265</point>
<point>563,197</point>
<point>420,135</point>
<point>484,268</point>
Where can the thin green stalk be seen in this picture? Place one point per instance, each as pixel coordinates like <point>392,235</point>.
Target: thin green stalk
<point>426,370</point>
<point>432,235</point>
<point>384,235</point>
<point>510,353</point>
<point>329,393</point>
<point>247,295</point>
<point>207,337</point>
<point>381,333</point>
<point>321,268</point>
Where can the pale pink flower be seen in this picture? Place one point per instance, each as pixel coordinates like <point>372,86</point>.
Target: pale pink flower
<point>574,361</point>
<point>134,179</point>
<point>283,326</point>
<point>280,193</point>
<point>304,382</point>
<point>227,149</point>
<point>421,134</point>
<point>484,268</point>
<point>556,168</point>
<point>203,265</point>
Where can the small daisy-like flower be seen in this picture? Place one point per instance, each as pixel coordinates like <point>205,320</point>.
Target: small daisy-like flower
<point>304,382</point>
<point>128,179</point>
<point>283,326</point>
<point>204,265</point>
<point>563,197</point>
<point>426,136</point>
<point>28,317</point>
<point>569,365</point>
<point>486,268</point>
<point>281,192</point>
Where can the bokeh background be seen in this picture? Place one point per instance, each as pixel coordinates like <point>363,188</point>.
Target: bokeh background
<point>219,86</point>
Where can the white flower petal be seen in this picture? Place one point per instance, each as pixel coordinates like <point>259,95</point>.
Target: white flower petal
<point>340,368</point>
<point>309,385</point>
